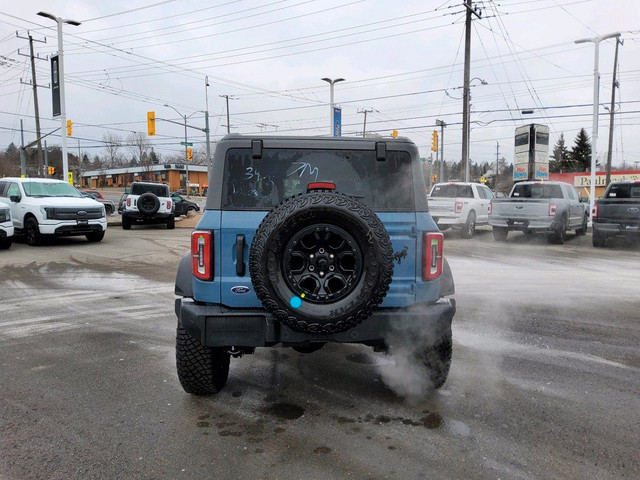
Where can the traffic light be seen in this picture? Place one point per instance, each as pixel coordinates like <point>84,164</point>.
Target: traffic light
<point>394,133</point>
<point>434,141</point>
<point>70,175</point>
<point>189,153</point>
<point>51,170</point>
<point>151,123</point>
<point>434,177</point>
<point>69,128</point>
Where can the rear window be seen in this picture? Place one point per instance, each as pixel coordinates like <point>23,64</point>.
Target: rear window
<point>262,183</point>
<point>157,190</point>
<point>537,190</point>
<point>452,191</point>
<point>624,190</point>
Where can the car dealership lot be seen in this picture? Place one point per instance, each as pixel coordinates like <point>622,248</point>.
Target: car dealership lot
<point>545,380</point>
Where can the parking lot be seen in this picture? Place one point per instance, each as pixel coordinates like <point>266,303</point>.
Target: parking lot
<point>545,380</point>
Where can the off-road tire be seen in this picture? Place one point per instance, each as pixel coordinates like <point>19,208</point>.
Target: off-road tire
<point>32,232</point>
<point>500,234</point>
<point>108,210</point>
<point>599,240</point>
<point>126,223</point>
<point>469,227</point>
<point>583,229</point>
<point>95,237</point>
<point>559,234</point>
<point>365,290</point>
<point>148,203</point>
<point>437,358</point>
<point>171,223</point>
<point>201,370</point>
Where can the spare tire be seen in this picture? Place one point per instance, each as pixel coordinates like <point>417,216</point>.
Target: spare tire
<point>148,203</point>
<point>321,262</point>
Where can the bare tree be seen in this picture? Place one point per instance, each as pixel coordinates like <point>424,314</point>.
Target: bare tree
<point>113,142</point>
<point>139,145</point>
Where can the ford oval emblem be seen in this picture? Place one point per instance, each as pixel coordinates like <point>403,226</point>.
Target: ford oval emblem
<point>240,289</point>
<point>82,212</point>
<point>632,209</point>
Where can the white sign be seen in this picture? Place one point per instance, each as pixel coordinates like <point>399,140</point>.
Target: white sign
<point>601,180</point>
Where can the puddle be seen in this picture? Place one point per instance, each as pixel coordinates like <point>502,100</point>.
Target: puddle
<point>284,411</point>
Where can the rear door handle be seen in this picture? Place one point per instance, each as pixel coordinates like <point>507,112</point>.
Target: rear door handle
<point>240,270</point>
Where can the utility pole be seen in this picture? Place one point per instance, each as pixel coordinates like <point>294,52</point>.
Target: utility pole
<point>495,183</point>
<point>365,111</point>
<point>441,124</point>
<point>206,123</point>
<point>228,122</point>
<point>23,158</point>
<point>614,85</point>
<point>35,93</point>
<point>467,70</point>
<point>46,160</point>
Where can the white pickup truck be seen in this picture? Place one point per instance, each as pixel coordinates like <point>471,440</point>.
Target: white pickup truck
<point>460,205</point>
<point>42,207</point>
<point>6,226</point>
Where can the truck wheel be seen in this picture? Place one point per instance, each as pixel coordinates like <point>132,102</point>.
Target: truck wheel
<point>583,229</point>
<point>5,243</point>
<point>108,210</point>
<point>437,358</point>
<point>500,234</point>
<point>470,225</point>
<point>95,237</point>
<point>321,262</point>
<point>32,232</point>
<point>560,233</point>
<point>599,239</point>
<point>201,370</point>
<point>126,223</point>
<point>171,223</point>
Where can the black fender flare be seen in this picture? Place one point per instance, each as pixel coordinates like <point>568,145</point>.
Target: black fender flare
<point>184,283</point>
<point>447,286</point>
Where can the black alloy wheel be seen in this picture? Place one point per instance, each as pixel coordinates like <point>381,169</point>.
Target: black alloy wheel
<point>32,232</point>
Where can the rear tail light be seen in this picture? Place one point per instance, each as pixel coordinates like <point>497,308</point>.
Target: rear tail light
<point>128,202</point>
<point>594,211</point>
<point>202,254</point>
<point>458,207</point>
<point>432,256</point>
<point>321,186</point>
<point>553,208</point>
<point>168,204</point>
<point>490,208</point>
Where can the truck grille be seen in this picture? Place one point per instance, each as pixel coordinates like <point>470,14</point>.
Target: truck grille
<point>75,213</point>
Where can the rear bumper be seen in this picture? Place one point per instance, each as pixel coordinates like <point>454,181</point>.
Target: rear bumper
<point>449,221</point>
<point>523,224</point>
<point>616,228</point>
<point>217,326</point>
<point>140,217</point>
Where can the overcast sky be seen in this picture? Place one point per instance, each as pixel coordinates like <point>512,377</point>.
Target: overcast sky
<point>402,60</point>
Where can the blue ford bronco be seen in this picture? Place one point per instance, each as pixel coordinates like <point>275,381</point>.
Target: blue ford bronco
<point>310,240</point>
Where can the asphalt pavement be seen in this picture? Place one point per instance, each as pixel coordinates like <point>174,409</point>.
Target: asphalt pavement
<point>545,380</point>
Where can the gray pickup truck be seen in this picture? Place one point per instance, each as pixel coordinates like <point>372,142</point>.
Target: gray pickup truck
<point>617,212</point>
<point>539,207</point>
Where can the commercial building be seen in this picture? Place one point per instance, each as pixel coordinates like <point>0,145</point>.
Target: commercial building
<point>172,174</point>
<point>582,180</point>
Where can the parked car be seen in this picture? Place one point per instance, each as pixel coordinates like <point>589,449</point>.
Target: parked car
<point>6,226</point>
<point>96,194</point>
<point>109,206</point>
<point>539,207</point>
<point>42,208</point>
<point>181,191</point>
<point>183,206</point>
<point>617,213</point>
<point>331,242</point>
<point>460,205</point>
<point>148,202</point>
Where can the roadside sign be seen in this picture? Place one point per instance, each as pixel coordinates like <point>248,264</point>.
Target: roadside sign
<point>188,144</point>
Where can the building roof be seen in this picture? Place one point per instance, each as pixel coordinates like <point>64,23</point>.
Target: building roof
<point>162,167</point>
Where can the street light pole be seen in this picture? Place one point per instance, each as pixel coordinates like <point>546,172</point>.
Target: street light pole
<point>186,158</point>
<point>63,112</point>
<point>206,122</point>
<point>331,104</point>
<point>596,100</point>
<point>467,139</point>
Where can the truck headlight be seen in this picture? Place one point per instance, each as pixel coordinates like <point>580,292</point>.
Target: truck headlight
<point>5,216</point>
<point>49,213</point>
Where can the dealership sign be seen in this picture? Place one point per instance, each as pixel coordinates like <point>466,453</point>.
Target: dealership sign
<point>601,180</point>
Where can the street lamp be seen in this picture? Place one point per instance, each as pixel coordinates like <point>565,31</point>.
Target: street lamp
<point>206,122</point>
<point>596,93</point>
<point>186,146</point>
<point>63,112</point>
<point>466,127</point>
<point>331,105</point>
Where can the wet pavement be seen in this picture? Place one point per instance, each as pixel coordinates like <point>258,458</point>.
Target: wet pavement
<point>545,381</point>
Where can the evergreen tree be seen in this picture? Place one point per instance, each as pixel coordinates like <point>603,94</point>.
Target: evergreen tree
<point>153,156</point>
<point>561,157</point>
<point>581,152</point>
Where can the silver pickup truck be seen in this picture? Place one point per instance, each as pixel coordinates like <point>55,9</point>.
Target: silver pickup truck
<point>539,207</point>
